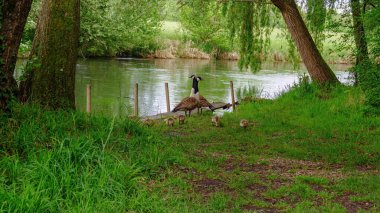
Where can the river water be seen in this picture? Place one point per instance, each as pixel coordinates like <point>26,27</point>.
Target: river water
<point>113,80</point>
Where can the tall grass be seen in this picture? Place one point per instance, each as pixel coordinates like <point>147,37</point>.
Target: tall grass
<point>67,161</point>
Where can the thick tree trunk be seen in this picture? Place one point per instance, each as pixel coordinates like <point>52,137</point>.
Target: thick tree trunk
<point>55,49</point>
<point>318,69</point>
<point>359,33</point>
<point>14,14</point>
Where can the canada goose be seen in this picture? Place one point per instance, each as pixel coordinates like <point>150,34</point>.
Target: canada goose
<point>181,119</point>
<point>192,102</point>
<point>203,103</point>
<point>215,120</point>
<point>169,121</point>
<point>244,123</point>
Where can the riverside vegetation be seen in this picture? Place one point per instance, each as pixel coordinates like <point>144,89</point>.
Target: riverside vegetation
<point>109,29</point>
<point>310,149</point>
<point>314,148</point>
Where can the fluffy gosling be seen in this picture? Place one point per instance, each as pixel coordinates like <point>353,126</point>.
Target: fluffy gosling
<point>181,119</point>
<point>147,121</point>
<point>244,123</point>
<point>169,121</point>
<point>215,121</point>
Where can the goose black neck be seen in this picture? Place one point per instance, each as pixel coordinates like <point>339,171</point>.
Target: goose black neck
<point>195,85</point>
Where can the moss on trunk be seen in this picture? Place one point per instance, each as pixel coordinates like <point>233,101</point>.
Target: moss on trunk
<point>55,46</point>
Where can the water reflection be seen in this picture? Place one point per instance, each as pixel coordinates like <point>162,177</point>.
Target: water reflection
<point>113,82</point>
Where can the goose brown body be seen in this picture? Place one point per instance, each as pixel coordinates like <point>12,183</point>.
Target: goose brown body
<point>192,102</point>
<point>203,103</point>
<point>187,104</point>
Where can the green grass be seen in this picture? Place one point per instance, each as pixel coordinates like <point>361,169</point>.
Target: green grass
<point>66,161</point>
<point>311,150</point>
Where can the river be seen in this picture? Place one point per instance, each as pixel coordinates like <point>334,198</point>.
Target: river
<point>113,80</point>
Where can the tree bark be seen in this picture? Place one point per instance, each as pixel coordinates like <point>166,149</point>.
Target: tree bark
<point>51,82</point>
<point>359,33</point>
<point>318,69</point>
<point>14,14</point>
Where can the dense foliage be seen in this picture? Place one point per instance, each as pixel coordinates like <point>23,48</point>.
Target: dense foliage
<point>253,25</point>
<point>118,26</point>
<point>371,20</point>
<point>206,26</point>
<point>111,27</point>
<point>316,16</point>
<point>115,27</point>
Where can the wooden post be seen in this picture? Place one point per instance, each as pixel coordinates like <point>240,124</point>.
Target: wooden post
<point>88,97</point>
<point>232,95</point>
<point>167,97</point>
<point>136,99</point>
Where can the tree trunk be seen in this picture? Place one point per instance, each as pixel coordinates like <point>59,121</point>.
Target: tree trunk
<point>318,69</point>
<point>359,33</point>
<point>51,82</point>
<point>13,15</point>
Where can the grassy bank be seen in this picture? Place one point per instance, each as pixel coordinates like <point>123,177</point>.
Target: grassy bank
<point>309,150</point>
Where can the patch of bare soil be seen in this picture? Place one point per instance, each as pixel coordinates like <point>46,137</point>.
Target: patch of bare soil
<point>285,172</point>
<point>175,133</point>
<point>207,186</point>
<point>288,168</point>
<point>353,206</point>
<point>186,170</point>
<point>202,154</point>
<point>316,187</point>
<point>368,169</point>
<point>259,209</point>
<point>258,188</point>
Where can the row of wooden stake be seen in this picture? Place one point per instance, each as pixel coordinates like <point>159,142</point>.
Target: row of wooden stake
<point>136,98</point>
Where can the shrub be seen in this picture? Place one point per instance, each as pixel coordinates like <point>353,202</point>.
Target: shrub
<point>369,78</point>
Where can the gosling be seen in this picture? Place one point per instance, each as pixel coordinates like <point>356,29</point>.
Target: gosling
<point>147,121</point>
<point>169,121</point>
<point>215,121</point>
<point>244,123</point>
<point>181,119</point>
